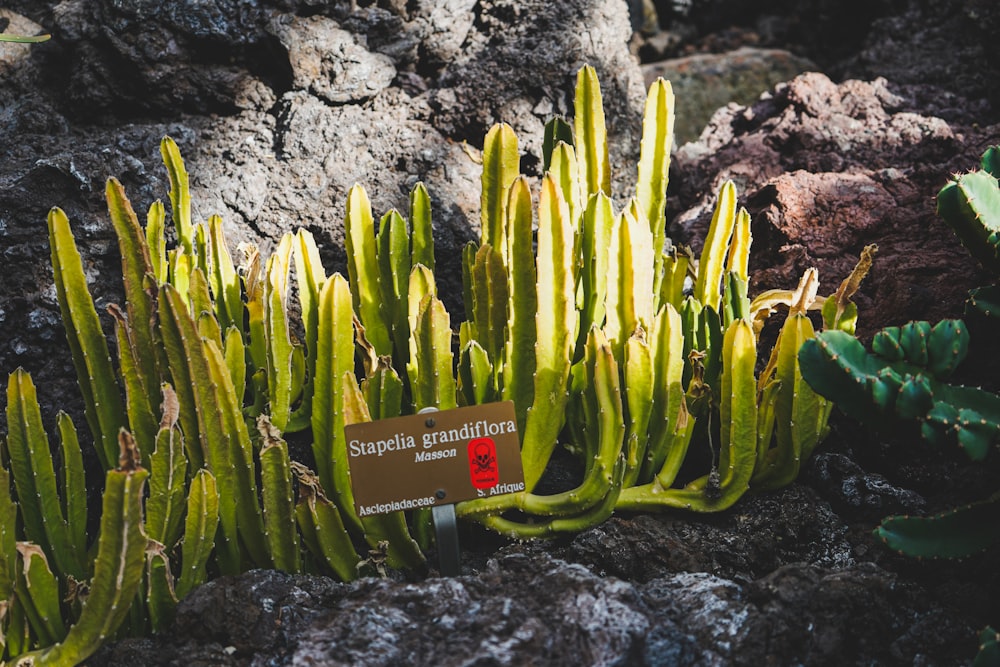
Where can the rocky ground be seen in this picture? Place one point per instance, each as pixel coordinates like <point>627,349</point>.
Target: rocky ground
<point>279,106</point>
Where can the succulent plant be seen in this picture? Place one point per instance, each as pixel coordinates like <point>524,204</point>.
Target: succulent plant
<point>970,204</point>
<point>24,39</point>
<point>989,648</point>
<point>38,578</point>
<point>609,341</point>
<point>206,380</point>
<point>601,349</point>
<point>904,380</point>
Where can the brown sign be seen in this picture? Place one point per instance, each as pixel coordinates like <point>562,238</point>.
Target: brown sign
<point>434,458</point>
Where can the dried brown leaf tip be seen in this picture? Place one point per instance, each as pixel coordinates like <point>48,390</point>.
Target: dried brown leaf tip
<point>268,431</point>
<point>128,460</point>
<point>171,407</point>
<point>849,287</point>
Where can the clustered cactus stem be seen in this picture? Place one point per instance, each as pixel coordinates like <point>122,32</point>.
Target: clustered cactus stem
<point>611,342</point>
<point>629,367</point>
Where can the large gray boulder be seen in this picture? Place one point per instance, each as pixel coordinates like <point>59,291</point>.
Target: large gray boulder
<point>279,107</point>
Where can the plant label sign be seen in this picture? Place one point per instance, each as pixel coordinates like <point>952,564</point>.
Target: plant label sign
<point>434,458</point>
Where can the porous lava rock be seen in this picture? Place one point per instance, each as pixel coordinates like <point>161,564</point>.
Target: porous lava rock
<point>531,608</point>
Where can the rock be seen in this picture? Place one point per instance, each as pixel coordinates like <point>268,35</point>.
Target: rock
<point>866,496</point>
<point>706,81</point>
<point>834,617</point>
<point>518,611</point>
<point>525,608</point>
<point>762,532</point>
<point>663,45</point>
<point>443,26</point>
<point>278,112</point>
<point>526,56</point>
<point>385,32</point>
<point>161,58</point>
<point>265,614</point>
<point>546,612</point>
<point>825,169</point>
<point>331,63</point>
<point>824,31</point>
<point>943,45</point>
<point>949,45</point>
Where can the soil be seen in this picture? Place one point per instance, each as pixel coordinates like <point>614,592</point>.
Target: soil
<point>279,106</point>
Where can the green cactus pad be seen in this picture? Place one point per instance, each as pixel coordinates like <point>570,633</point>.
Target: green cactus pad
<point>953,534</point>
<point>885,387</point>
<point>991,161</point>
<point>985,300</point>
<point>989,649</point>
<point>970,204</point>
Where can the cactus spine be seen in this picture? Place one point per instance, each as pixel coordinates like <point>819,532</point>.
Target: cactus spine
<point>118,566</point>
<point>904,378</point>
<point>970,204</point>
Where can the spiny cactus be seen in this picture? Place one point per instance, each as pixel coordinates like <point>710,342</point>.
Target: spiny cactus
<point>904,378</point>
<point>989,648</point>
<point>970,204</point>
<point>204,351</point>
<point>954,533</point>
<point>35,595</point>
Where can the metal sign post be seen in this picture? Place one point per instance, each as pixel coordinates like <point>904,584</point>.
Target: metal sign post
<point>445,525</point>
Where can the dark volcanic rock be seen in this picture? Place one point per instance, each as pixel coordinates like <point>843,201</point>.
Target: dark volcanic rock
<point>948,45</point>
<point>865,495</point>
<point>823,30</point>
<point>761,533</point>
<point>162,58</point>
<point>538,49</point>
<point>532,609</point>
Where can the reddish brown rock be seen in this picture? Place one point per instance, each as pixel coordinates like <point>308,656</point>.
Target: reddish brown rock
<point>825,169</point>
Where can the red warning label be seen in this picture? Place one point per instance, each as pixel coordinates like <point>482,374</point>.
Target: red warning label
<point>483,470</point>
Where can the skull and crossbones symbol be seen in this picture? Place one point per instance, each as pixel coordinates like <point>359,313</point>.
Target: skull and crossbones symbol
<point>483,459</point>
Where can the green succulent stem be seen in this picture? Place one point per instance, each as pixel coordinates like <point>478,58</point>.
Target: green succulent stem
<point>91,358</point>
<point>902,380</point>
<point>956,533</point>
<point>118,567</point>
